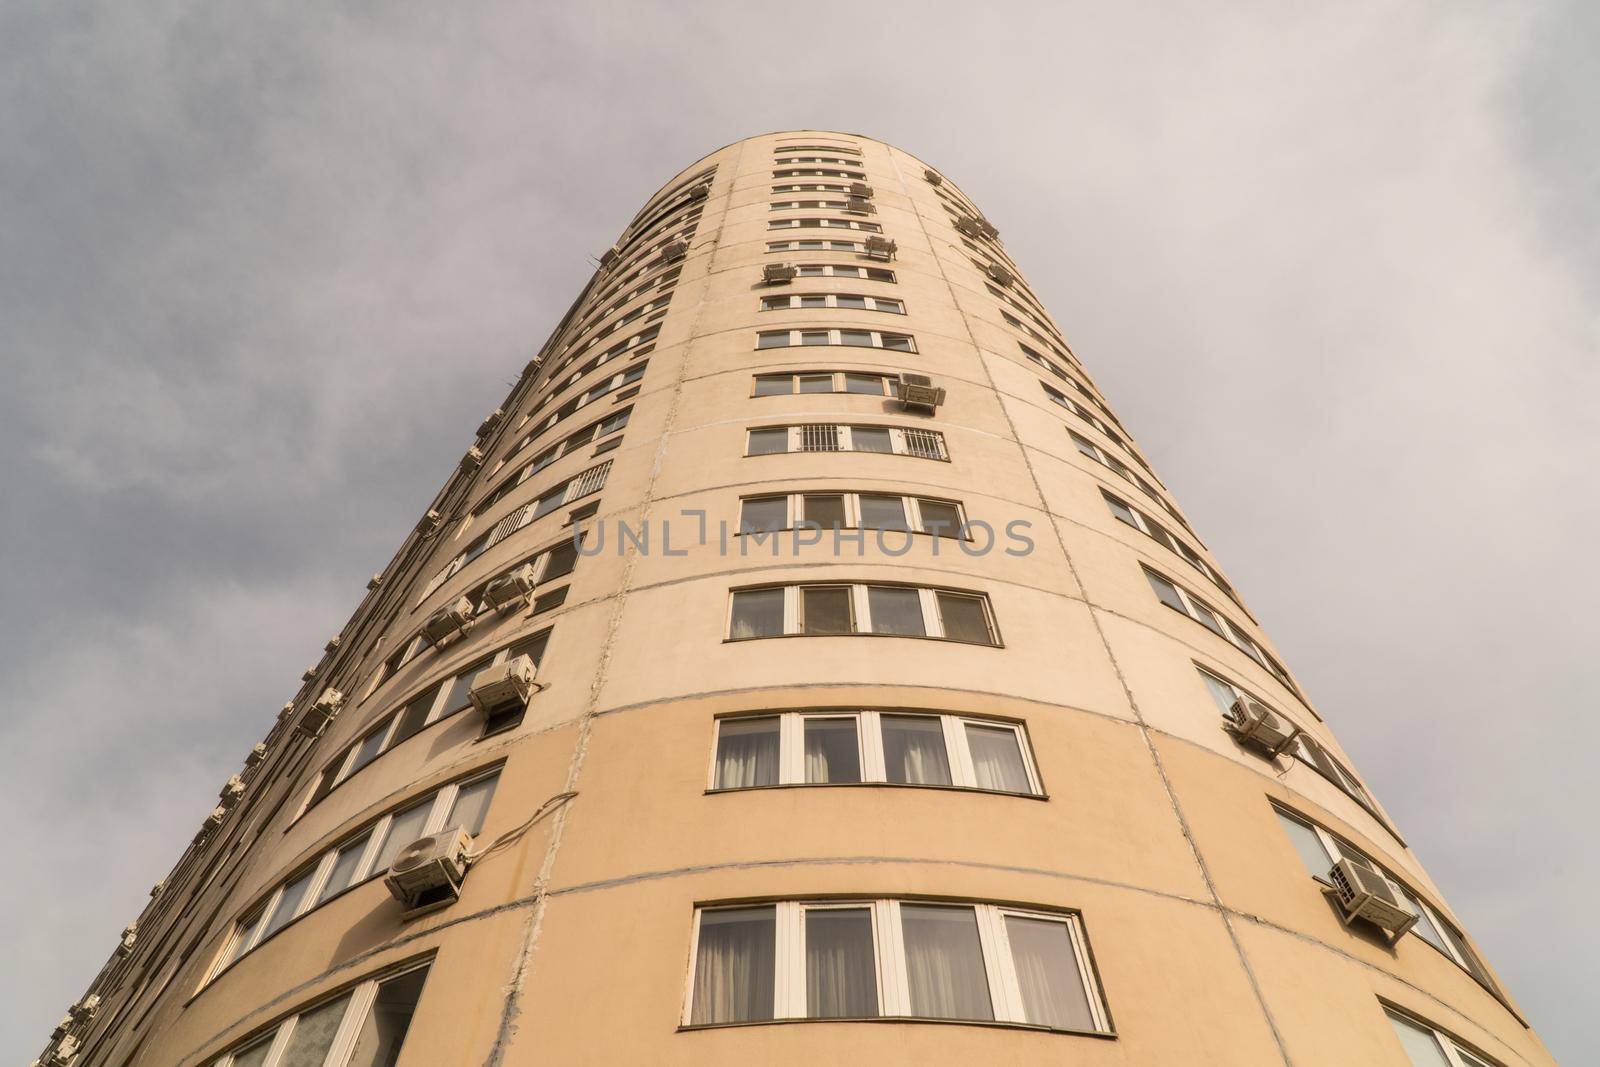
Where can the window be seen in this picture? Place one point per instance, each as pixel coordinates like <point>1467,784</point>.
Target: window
<point>833,300</point>
<point>1132,516</point>
<point>823,224</point>
<point>1093,451</point>
<point>897,342</point>
<point>764,513</point>
<point>1186,603</point>
<point>841,270</point>
<point>1426,1047</point>
<point>364,854</point>
<point>797,959</point>
<point>892,610</point>
<point>860,382</point>
<point>833,437</point>
<point>1319,850</point>
<point>375,1014</point>
<point>825,747</point>
<point>815,246</point>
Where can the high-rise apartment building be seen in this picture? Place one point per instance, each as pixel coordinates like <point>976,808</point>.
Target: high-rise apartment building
<point>891,712</point>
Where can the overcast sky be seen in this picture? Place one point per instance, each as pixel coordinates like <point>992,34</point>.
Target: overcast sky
<point>262,273</point>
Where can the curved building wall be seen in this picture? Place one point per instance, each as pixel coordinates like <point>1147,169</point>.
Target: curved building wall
<point>1033,818</point>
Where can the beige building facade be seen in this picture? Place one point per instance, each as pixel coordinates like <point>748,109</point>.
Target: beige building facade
<point>891,712</point>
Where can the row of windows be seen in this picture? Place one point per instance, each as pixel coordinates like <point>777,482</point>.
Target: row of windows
<point>1083,390</point>
<point>895,342</point>
<point>782,148</point>
<point>833,437</point>
<point>1186,603</point>
<point>1059,350</point>
<point>852,511</point>
<point>618,381</point>
<point>840,270</point>
<point>1427,1047</point>
<point>819,172</point>
<point>365,854</point>
<point>786,161</point>
<point>864,383</point>
<point>626,346</point>
<point>634,314</point>
<point>812,187</point>
<point>1159,534</point>
<point>893,610</point>
<point>1061,399</point>
<point>1024,307</point>
<point>597,430</point>
<point>1319,850</point>
<point>833,300</point>
<point>1106,459</point>
<point>802,205</point>
<point>815,246</point>
<point>362,1027</point>
<point>864,959</point>
<point>664,282</point>
<point>826,747</point>
<point>823,224</point>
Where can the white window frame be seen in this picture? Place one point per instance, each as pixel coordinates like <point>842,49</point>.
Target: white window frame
<point>795,246</point>
<point>794,513</point>
<point>894,985</point>
<point>808,205</point>
<point>846,443</point>
<point>811,223</point>
<point>887,380</point>
<point>927,598</point>
<point>793,302</point>
<point>869,740</point>
<point>834,339</point>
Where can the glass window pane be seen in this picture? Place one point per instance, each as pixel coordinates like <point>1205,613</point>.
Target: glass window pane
<point>896,343</point>
<point>813,301</point>
<point>870,439</point>
<point>345,865</point>
<point>825,610</point>
<point>1207,619</point>
<point>940,518</point>
<point>768,440</point>
<point>841,968</point>
<point>883,512</point>
<point>313,1034</point>
<point>1423,927</point>
<point>774,384</point>
<point>471,804</point>
<point>825,510</point>
<point>1461,946</point>
<point>1167,594</point>
<point>294,893</point>
<point>895,610</point>
<point>964,618</point>
<point>367,751</point>
<point>1307,844</point>
<point>832,752</point>
<point>1221,692</point>
<point>944,962</point>
<point>997,758</point>
<point>734,963</point>
<point>858,302</point>
<point>384,1029</point>
<point>255,1055</point>
<point>415,713</point>
<point>816,383</point>
<point>459,697</point>
<point>767,513</point>
<point>861,338</point>
<point>893,306</point>
<point>773,339</point>
<point>757,613</point>
<point>1047,971</point>
<point>562,558</point>
<point>1419,1043</point>
<point>747,753</point>
<point>532,647</point>
<point>814,337</point>
<point>913,750</point>
<point>247,930</point>
<point>404,829</point>
<point>1122,511</point>
<point>870,384</point>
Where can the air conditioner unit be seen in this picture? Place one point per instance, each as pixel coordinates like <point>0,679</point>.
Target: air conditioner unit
<point>917,392</point>
<point>860,189</point>
<point>157,889</point>
<point>333,644</point>
<point>430,522</point>
<point>779,273</point>
<point>286,711</point>
<point>881,247</point>
<point>218,816</point>
<point>257,754</point>
<point>1365,894</point>
<point>490,422</point>
<point>533,366</point>
<point>449,621</point>
<point>85,1008</point>
<point>472,460</point>
<point>311,672</point>
<point>62,1027</point>
<point>507,684</point>
<point>1254,723</point>
<point>373,582</point>
<point>130,934</point>
<point>428,873</point>
<point>232,790</point>
<point>968,226</point>
<point>859,205</point>
<point>320,713</point>
<point>609,256</point>
<point>1000,274</point>
<point>700,192</point>
<point>65,1054</point>
<point>674,249</point>
<point>511,587</point>
<point>934,179</point>
<point>987,229</point>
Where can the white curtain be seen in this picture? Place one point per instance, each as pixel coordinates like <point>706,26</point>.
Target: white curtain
<point>747,753</point>
<point>944,961</point>
<point>841,971</point>
<point>313,1033</point>
<point>913,750</point>
<point>733,974</point>
<point>997,759</point>
<point>832,753</point>
<point>1047,971</point>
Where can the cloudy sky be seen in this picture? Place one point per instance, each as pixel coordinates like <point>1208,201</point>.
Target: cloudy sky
<point>262,272</point>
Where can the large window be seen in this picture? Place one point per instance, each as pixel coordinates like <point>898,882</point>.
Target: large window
<point>1427,1047</point>
<point>896,342</point>
<point>362,1027</point>
<point>864,383</point>
<point>853,510</point>
<point>832,300</point>
<point>361,855</point>
<point>1319,850</point>
<point>841,746</point>
<point>832,437</point>
<point>874,958</point>
<point>862,608</point>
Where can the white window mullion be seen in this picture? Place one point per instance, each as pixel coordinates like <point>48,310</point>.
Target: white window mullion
<point>319,878</point>
<point>1003,985</point>
<point>280,1041</point>
<point>442,800</point>
<point>852,511</point>
<point>955,743</point>
<point>791,748</point>
<point>1439,925</point>
<point>791,609</point>
<point>897,441</point>
<point>896,982</point>
<point>355,1015</point>
<point>1329,845</point>
<point>261,925</point>
<point>795,442</point>
<point>437,708</point>
<point>1080,951</point>
<point>845,438</point>
<point>863,606</point>
<point>870,728</point>
<point>931,621</point>
<point>789,983</point>
<point>694,953</point>
<point>914,514</point>
<point>380,830</point>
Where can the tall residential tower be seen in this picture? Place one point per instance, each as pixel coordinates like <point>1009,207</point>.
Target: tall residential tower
<point>890,712</point>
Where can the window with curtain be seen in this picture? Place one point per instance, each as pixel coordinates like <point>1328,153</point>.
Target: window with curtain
<point>757,613</point>
<point>1047,973</point>
<point>313,1034</point>
<point>825,609</point>
<point>833,753</point>
<point>747,753</point>
<point>944,963</point>
<point>895,610</point>
<point>997,758</point>
<point>913,750</point>
<point>841,964</point>
<point>254,1056</point>
<point>964,618</point>
<point>734,958</point>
